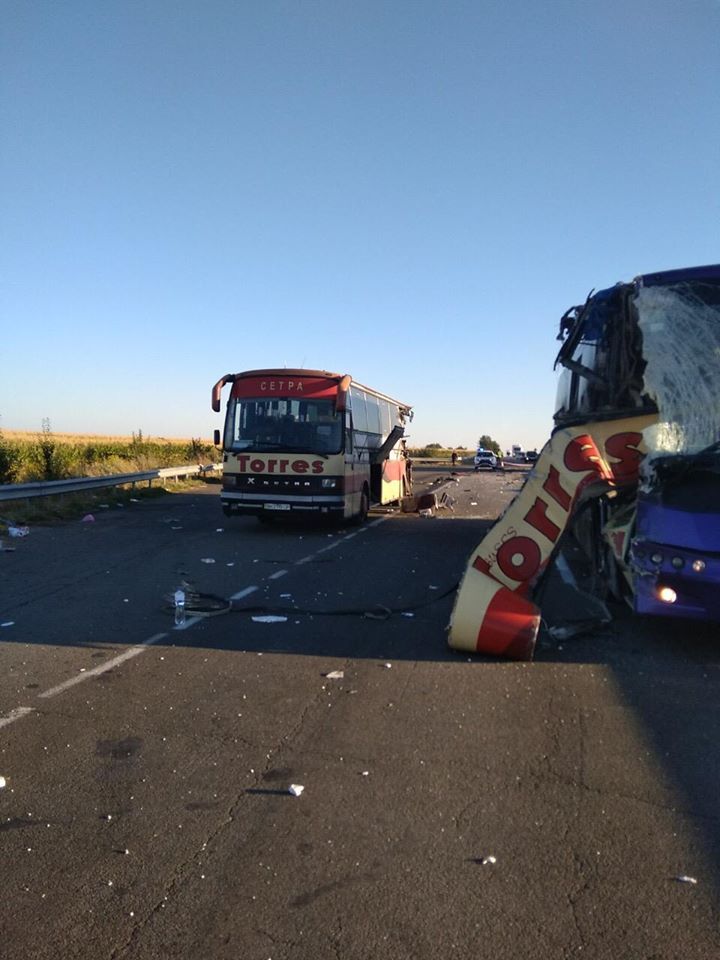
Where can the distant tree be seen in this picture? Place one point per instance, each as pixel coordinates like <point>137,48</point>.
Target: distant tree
<point>487,443</point>
<point>435,446</point>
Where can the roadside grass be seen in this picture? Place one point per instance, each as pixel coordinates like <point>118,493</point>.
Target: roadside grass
<point>26,457</point>
<point>64,508</point>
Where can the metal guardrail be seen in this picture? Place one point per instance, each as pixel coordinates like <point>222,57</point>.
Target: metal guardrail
<point>53,488</point>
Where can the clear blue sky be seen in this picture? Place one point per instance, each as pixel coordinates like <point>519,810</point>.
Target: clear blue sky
<point>409,191</point>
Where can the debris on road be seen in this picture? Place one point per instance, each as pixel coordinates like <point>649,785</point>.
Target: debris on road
<point>269,618</point>
<point>335,675</point>
<point>207,560</point>
<point>3,783</point>
<point>17,531</point>
<point>8,623</point>
<point>484,861</point>
<point>683,878</point>
<point>296,789</point>
<point>88,518</point>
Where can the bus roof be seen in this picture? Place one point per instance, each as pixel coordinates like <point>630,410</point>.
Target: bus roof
<point>299,372</point>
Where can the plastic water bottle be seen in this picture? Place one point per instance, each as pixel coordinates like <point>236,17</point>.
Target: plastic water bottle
<point>179,608</point>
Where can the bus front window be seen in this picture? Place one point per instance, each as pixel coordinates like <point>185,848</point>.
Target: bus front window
<point>294,426</point>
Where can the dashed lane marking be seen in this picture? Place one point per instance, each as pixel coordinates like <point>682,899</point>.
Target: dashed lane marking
<point>15,714</point>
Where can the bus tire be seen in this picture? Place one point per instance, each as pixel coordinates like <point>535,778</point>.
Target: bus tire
<point>362,515</point>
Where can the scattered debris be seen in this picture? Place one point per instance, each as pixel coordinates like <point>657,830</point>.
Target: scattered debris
<point>484,861</point>
<point>207,560</point>
<point>427,514</point>
<point>269,618</point>
<point>683,878</point>
<point>18,531</point>
<point>88,518</point>
<point>335,675</point>
<point>296,789</point>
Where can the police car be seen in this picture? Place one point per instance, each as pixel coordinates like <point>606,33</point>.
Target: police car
<point>486,460</point>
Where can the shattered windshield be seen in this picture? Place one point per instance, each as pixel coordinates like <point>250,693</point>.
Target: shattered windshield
<point>288,425</point>
<point>680,326</point>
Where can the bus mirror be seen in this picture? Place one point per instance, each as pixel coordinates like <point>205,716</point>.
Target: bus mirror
<point>216,438</point>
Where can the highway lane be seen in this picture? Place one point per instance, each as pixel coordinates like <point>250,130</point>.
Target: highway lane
<point>417,764</point>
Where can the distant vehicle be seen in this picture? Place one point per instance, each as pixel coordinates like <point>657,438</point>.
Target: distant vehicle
<point>531,456</point>
<point>486,460</point>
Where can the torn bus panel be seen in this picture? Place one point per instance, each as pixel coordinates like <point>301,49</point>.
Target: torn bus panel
<point>631,467</point>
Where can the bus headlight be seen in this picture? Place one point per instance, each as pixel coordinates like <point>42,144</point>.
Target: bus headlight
<point>678,563</point>
<point>329,483</point>
<point>698,566</point>
<point>666,594</point>
<point>657,558</point>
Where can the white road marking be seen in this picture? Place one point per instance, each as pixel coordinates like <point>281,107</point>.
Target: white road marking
<point>243,593</point>
<point>190,622</point>
<point>304,560</point>
<point>103,668</point>
<point>277,574</point>
<point>330,546</point>
<point>15,714</point>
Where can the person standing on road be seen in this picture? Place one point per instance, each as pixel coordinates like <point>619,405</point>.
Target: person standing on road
<point>453,458</point>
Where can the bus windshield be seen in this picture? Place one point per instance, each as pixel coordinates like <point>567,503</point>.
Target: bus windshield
<point>290,425</point>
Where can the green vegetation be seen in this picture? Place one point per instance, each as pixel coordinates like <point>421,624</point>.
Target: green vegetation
<point>24,459</point>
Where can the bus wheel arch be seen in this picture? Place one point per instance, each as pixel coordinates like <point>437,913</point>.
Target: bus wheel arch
<point>362,514</point>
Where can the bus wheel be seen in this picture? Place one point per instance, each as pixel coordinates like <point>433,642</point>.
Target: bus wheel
<point>361,516</point>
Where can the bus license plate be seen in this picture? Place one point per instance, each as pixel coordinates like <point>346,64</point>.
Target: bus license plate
<point>277,506</point>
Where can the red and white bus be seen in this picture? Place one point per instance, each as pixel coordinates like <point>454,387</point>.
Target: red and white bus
<point>310,442</point>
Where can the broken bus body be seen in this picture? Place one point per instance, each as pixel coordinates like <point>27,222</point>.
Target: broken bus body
<point>310,442</point>
<point>631,467</point>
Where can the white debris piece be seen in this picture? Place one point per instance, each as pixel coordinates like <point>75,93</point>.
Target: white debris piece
<point>407,614</point>
<point>388,666</point>
<point>206,560</point>
<point>219,529</point>
<point>8,623</point>
<point>486,860</point>
<point>296,789</point>
<point>683,878</point>
<point>18,531</point>
<point>269,618</point>
<point>3,783</point>
<point>335,675</point>
<point>88,518</point>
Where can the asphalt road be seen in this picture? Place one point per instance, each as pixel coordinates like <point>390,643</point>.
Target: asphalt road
<point>451,804</point>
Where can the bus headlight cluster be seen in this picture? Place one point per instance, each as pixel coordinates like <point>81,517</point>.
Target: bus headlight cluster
<point>666,594</point>
<point>698,566</point>
<point>329,483</point>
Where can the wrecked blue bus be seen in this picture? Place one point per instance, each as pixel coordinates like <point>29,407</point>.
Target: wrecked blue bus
<point>653,345</point>
<point>631,470</point>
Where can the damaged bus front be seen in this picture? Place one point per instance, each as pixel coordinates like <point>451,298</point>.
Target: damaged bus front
<point>631,466</point>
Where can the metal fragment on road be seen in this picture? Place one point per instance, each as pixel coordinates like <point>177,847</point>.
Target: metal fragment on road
<point>335,675</point>
<point>683,878</point>
<point>18,531</point>
<point>486,860</point>
<point>88,518</point>
<point>295,789</point>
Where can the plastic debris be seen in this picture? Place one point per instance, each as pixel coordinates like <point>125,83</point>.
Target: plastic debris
<point>683,878</point>
<point>486,860</point>
<point>388,666</point>
<point>18,531</point>
<point>269,618</point>
<point>3,783</point>
<point>88,518</point>
<point>426,513</point>
<point>406,613</point>
<point>334,675</point>
<point>296,789</point>
<point>219,529</point>
<point>207,560</point>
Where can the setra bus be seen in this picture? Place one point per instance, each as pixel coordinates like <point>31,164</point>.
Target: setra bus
<point>310,442</point>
